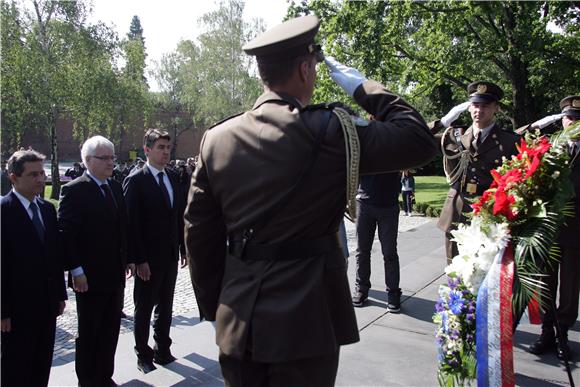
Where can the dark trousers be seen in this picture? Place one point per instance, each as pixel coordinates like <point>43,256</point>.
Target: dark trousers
<point>27,349</point>
<point>407,201</point>
<point>387,220</point>
<point>99,322</point>
<point>156,293</point>
<point>309,372</point>
<point>450,247</point>
<point>567,305</point>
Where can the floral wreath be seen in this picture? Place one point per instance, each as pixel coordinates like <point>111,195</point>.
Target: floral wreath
<point>504,255</point>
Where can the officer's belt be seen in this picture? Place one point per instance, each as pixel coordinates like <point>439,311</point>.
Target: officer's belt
<point>283,250</point>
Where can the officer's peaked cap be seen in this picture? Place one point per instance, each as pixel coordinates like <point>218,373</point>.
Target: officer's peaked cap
<point>484,92</point>
<point>571,106</point>
<point>288,40</point>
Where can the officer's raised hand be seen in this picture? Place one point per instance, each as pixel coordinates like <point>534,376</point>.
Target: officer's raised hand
<point>540,124</point>
<point>454,113</point>
<point>346,77</point>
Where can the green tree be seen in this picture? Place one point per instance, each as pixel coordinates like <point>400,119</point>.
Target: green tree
<point>224,70</point>
<point>56,65</point>
<point>430,51</point>
<point>205,81</point>
<point>135,52</point>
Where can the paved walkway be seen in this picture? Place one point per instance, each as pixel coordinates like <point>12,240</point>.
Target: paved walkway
<point>395,349</point>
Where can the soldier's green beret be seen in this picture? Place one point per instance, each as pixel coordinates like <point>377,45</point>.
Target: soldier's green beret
<point>291,39</point>
<point>571,105</point>
<point>484,92</point>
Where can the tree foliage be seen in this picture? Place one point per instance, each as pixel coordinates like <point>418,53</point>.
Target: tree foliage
<point>430,51</point>
<point>211,78</point>
<point>56,65</point>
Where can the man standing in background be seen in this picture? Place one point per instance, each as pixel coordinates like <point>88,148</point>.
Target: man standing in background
<point>378,206</point>
<point>92,220</point>
<point>33,289</point>
<point>155,210</point>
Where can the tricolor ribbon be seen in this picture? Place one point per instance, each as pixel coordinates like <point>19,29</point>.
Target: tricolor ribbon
<point>494,346</point>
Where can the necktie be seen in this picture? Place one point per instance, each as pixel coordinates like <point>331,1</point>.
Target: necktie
<point>164,189</point>
<point>475,142</point>
<point>36,221</point>
<point>109,196</point>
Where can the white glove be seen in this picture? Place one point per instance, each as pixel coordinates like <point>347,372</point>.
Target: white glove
<point>540,124</point>
<point>346,77</point>
<point>455,112</point>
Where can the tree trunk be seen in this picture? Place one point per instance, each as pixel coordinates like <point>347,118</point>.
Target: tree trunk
<point>54,157</point>
<point>523,107</point>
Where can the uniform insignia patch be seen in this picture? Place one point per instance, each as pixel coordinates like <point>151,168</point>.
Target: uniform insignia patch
<point>481,88</point>
<point>576,103</point>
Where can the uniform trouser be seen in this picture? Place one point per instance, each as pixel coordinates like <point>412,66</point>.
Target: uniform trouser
<point>407,201</point>
<point>317,371</point>
<point>387,220</point>
<point>99,322</point>
<point>567,305</point>
<point>27,349</point>
<point>156,293</point>
<point>450,247</point>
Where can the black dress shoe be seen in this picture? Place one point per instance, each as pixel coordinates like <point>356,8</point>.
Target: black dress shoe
<point>145,366</point>
<point>163,359</point>
<point>563,350</point>
<point>546,342</point>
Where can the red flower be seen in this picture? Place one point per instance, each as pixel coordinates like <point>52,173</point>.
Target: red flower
<point>482,200</point>
<point>502,205</point>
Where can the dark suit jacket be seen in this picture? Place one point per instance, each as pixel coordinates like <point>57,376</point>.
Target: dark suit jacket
<point>498,143</point>
<point>32,271</point>
<point>301,307</point>
<point>95,237</point>
<point>155,229</point>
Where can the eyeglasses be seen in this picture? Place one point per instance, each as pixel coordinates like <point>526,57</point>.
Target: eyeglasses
<point>106,158</point>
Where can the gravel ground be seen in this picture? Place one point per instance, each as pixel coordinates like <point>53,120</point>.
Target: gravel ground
<point>184,300</point>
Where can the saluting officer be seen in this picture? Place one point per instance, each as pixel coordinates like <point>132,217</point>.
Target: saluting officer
<point>569,265</point>
<point>271,181</point>
<point>469,155</point>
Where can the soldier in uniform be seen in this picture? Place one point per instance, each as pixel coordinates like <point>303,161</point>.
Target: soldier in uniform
<point>569,266</point>
<point>270,185</point>
<point>469,155</point>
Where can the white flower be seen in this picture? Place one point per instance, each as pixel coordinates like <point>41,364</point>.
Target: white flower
<point>477,250</point>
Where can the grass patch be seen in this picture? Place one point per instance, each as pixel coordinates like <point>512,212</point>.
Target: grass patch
<point>431,190</point>
<point>47,193</point>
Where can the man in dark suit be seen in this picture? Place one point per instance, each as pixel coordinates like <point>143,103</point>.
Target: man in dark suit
<point>155,209</point>
<point>567,272</point>
<point>93,222</point>
<point>469,154</point>
<point>272,181</point>
<point>33,289</point>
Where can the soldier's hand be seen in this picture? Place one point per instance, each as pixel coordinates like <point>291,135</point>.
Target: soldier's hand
<point>183,261</point>
<point>143,271</point>
<point>454,113</point>
<point>6,324</point>
<point>540,124</point>
<point>130,270</point>
<point>80,283</point>
<point>346,77</point>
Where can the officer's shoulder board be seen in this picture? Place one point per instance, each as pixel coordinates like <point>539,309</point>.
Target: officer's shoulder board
<point>224,120</point>
<point>358,121</point>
